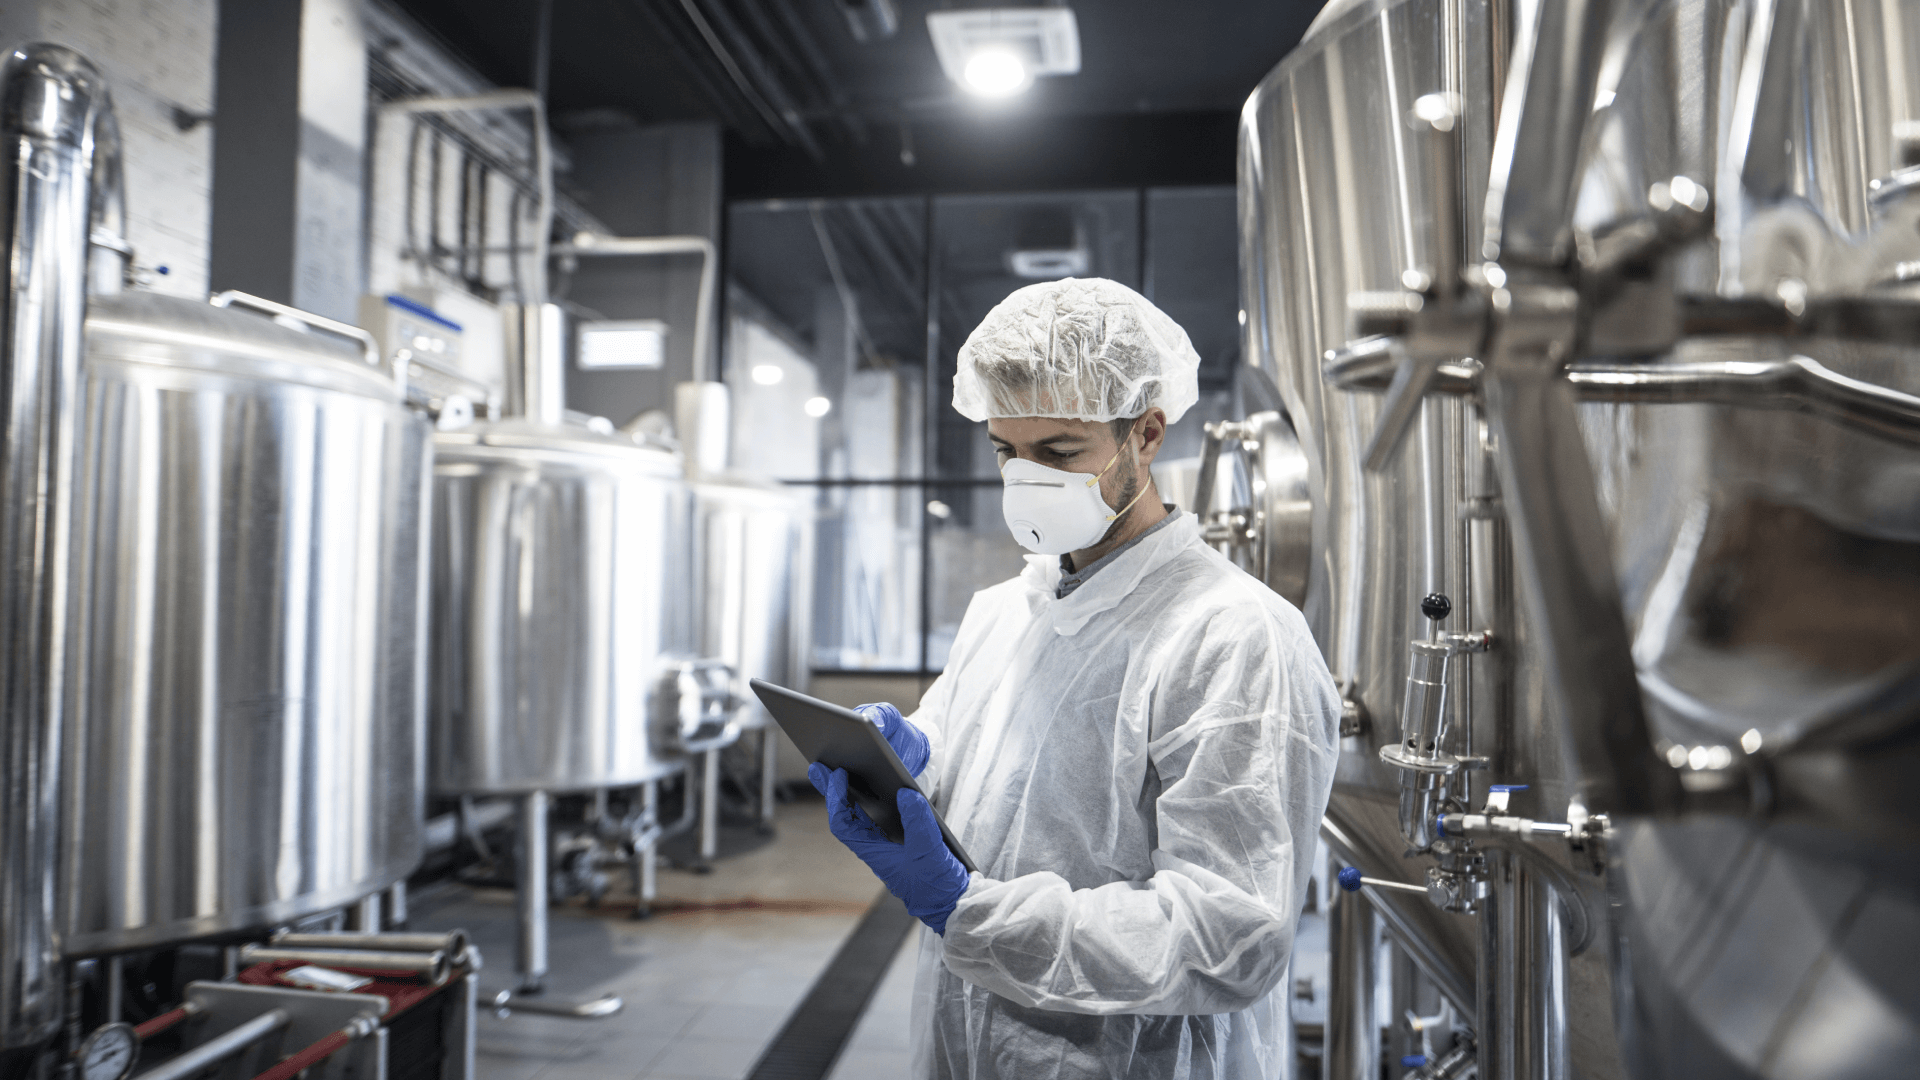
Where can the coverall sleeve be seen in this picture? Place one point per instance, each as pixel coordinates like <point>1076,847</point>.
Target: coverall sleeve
<point>1241,749</point>
<point>929,719</point>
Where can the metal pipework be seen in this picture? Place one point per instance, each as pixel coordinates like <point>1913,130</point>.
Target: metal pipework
<point>536,364</point>
<point>1793,384</point>
<point>1353,1029</point>
<point>454,944</point>
<point>591,244</point>
<point>431,966</point>
<point>55,115</point>
<point>219,1049</point>
<point>1522,1010</point>
<point>499,101</point>
<point>1421,755</point>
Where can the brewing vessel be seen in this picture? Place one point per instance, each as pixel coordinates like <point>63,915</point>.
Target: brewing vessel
<point>247,727</point>
<point>564,593</point>
<point>1594,324</point>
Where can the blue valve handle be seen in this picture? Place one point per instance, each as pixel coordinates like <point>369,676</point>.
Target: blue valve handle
<point>1350,879</point>
<point>1413,1061</point>
<point>1507,787</point>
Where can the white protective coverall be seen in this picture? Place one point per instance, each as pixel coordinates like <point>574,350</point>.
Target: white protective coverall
<point>1139,771</point>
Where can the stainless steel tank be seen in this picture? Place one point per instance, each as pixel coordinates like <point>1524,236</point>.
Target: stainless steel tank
<point>246,740</point>
<point>756,584</point>
<point>564,598</point>
<point>1635,281</point>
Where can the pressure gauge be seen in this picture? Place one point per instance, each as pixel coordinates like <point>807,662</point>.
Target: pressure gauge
<point>109,1053</point>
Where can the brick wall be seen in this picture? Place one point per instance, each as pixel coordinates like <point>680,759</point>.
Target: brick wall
<point>158,56</point>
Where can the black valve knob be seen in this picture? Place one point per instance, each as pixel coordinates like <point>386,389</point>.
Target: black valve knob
<point>1436,606</point>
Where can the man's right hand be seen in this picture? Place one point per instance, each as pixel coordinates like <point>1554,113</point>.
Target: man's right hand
<point>907,741</point>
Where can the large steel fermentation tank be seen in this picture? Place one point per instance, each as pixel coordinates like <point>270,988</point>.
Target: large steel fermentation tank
<point>565,615</point>
<point>564,594</point>
<point>247,739</point>
<point>756,573</point>
<point>1596,319</point>
<point>214,593</point>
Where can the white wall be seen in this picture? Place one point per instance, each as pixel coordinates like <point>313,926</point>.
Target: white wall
<point>156,55</point>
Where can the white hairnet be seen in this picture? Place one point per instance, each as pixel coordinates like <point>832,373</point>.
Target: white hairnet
<point>1078,349</point>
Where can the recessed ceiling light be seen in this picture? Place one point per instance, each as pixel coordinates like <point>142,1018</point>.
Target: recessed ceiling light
<point>995,71</point>
<point>768,374</point>
<point>996,52</point>
<point>818,407</point>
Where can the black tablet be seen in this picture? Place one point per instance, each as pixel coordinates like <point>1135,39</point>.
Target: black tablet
<point>843,739</point>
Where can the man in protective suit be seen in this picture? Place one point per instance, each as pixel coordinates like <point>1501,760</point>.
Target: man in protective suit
<point>1133,739</point>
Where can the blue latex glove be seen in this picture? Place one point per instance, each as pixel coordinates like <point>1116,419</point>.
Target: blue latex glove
<point>921,872</point>
<point>907,741</point>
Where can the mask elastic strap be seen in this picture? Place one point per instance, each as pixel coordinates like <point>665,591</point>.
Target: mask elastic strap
<point>1110,461</point>
<point>1115,516</point>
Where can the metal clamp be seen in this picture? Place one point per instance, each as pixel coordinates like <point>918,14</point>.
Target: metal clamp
<point>369,348</point>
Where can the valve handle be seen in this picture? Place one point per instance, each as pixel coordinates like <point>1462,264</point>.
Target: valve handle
<point>1413,1061</point>
<point>1436,606</point>
<point>1350,878</point>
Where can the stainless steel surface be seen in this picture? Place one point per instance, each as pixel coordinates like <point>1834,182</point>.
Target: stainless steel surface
<point>249,651</point>
<point>1522,1016</point>
<point>462,1034</point>
<point>52,105</point>
<point>1268,530</point>
<point>431,966</point>
<point>1686,515</point>
<point>219,1048</point>
<point>592,1009</point>
<point>1353,1025</point>
<point>536,388</point>
<point>530,870</point>
<point>454,943</point>
<point>755,552</point>
<point>563,587</point>
<point>312,1015</point>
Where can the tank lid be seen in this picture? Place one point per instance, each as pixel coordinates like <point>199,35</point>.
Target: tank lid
<point>517,433</point>
<point>190,335</point>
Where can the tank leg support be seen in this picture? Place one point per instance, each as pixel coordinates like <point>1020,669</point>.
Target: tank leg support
<point>530,893</point>
<point>769,773</point>
<point>709,808</point>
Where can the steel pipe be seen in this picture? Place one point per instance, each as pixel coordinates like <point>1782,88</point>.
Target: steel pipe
<point>219,1048</point>
<point>704,301</point>
<point>53,104</point>
<point>1521,1021</point>
<point>454,943</point>
<point>1353,1029</point>
<point>432,966</point>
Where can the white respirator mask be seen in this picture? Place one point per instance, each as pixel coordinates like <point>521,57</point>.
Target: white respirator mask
<point>1051,512</point>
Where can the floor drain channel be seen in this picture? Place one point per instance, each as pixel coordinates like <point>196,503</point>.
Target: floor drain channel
<point>820,1026</point>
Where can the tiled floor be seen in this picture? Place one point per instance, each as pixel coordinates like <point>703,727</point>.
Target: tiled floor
<point>704,990</point>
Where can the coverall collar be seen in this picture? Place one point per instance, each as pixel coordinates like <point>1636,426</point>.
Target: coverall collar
<point>1105,590</point>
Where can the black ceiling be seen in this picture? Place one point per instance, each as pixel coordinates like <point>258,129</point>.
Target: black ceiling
<point>810,110</point>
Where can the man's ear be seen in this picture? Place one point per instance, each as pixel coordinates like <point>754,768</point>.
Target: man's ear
<point>1153,434</point>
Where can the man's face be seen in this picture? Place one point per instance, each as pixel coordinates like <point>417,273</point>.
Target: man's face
<point>1078,446</point>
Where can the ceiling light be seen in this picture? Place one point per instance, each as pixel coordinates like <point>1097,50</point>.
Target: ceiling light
<point>768,374</point>
<point>996,52</point>
<point>995,72</point>
<point>818,407</point>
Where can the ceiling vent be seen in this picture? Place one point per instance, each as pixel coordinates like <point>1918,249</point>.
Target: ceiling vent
<point>1046,39</point>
